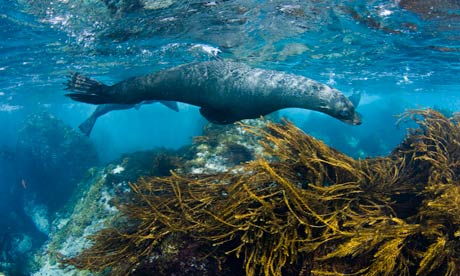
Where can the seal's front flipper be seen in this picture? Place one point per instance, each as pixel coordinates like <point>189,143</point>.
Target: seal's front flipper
<point>171,105</point>
<point>87,90</point>
<point>355,98</point>
<point>216,116</point>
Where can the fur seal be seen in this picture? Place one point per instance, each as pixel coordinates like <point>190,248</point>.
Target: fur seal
<point>225,91</point>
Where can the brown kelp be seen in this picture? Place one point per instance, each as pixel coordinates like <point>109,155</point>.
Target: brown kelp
<point>311,210</point>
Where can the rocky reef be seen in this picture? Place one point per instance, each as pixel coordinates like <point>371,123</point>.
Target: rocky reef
<point>96,203</point>
<point>52,158</point>
<point>40,171</point>
<point>299,208</point>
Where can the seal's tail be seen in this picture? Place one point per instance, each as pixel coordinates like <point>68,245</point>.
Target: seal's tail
<point>87,90</point>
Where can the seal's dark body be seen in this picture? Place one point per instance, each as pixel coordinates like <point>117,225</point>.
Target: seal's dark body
<point>225,91</point>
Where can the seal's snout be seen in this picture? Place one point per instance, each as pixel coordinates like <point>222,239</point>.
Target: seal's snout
<point>354,120</point>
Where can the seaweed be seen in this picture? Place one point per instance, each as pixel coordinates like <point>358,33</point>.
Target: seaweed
<point>310,210</point>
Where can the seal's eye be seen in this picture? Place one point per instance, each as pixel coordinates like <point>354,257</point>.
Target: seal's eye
<point>344,113</point>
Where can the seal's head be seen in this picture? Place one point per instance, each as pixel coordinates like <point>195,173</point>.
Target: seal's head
<point>349,116</point>
<point>344,110</point>
<point>340,107</point>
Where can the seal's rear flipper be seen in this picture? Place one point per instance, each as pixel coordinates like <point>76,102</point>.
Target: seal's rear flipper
<point>87,126</point>
<point>87,90</point>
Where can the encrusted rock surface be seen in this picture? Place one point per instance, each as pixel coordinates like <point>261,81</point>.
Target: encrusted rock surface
<point>92,206</point>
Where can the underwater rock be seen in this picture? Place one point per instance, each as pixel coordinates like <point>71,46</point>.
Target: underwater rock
<point>310,210</point>
<point>21,244</point>
<point>88,212</point>
<point>93,207</point>
<point>52,158</point>
<point>223,146</point>
<point>38,213</point>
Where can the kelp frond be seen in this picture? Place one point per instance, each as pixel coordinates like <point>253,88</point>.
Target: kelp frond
<point>312,211</point>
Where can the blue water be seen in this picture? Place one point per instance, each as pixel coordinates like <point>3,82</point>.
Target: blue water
<point>397,54</point>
